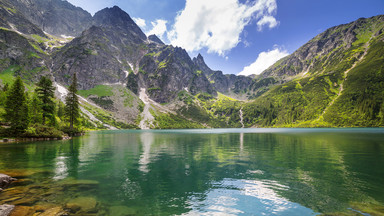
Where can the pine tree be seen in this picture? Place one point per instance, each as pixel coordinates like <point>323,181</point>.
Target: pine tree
<point>35,111</point>
<point>46,92</point>
<point>72,109</point>
<point>60,110</point>
<point>16,107</point>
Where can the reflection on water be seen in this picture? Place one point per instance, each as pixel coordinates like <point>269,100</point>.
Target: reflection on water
<point>205,172</point>
<point>146,140</point>
<point>234,197</point>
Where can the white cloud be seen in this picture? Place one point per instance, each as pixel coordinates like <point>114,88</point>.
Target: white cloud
<point>218,24</point>
<point>159,28</point>
<point>264,61</point>
<point>140,22</point>
<point>267,20</point>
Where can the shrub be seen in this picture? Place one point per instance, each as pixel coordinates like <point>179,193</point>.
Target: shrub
<point>42,131</point>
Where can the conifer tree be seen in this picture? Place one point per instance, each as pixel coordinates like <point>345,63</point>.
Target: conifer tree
<point>35,111</point>
<point>60,110</point>
<point>16,107</point>
<point>46,92</point>
<point>72,109</point>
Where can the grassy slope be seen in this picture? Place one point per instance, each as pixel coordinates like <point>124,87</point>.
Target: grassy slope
<point>302,101</point>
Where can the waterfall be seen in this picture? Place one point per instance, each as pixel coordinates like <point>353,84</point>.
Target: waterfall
<point>241,118</point>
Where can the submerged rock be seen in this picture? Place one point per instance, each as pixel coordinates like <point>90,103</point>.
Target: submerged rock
<point>6,210</point>
<point>83,204</point>
<point>5,181</point>
<point>56,211</point>
<point>22,211</point>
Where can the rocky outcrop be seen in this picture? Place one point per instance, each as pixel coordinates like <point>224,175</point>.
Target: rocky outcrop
<point>224,83</point>
<point>120,21</point>
<point>21,57</point>
<point>155,39</point>
<point>168,70</point>
<point>5,181</point>
<point>103,54</point>
<point>11,18</point>
<point>6,210</point>
<point>57,17</point>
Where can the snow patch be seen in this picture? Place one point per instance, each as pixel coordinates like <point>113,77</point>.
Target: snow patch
<point>126,73</point>
<point>147,117</point>
<point>67,37</point>
<point>134,69</point>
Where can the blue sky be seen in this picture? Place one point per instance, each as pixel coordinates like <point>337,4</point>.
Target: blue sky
<point>239,35</point>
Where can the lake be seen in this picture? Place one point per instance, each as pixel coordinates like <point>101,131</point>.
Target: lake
<point>201,172</point>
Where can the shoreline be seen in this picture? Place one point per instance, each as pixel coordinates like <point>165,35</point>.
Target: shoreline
<point>19,140</point>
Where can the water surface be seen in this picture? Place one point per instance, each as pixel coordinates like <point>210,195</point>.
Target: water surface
<point>204,172</point>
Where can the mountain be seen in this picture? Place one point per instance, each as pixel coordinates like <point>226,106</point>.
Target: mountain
<point>56,17</point>
<point>336,79</point>
<point>129,80</point>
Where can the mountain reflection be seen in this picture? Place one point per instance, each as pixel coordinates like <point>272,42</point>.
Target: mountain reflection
<point>184,172</point>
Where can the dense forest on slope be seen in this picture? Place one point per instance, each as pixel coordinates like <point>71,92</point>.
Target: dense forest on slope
<point>129,80</point>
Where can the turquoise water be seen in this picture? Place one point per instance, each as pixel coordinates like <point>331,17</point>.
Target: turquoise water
<point>207,172</point>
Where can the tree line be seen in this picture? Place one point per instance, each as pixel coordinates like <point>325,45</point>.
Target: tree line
<point>39,113</point>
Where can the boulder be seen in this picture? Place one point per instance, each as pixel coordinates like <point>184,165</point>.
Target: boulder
<point>5,181</point>
<point>83,204</point>
<point>6,210</point>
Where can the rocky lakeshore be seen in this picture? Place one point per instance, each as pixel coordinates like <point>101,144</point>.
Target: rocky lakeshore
<point>16,140</point>
<point>29,196</point>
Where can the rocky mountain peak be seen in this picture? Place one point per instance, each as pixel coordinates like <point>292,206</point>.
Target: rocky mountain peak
<point>117,18</point>
<point>199,61</point>
<point>56,17</point>
<point>154,38</point>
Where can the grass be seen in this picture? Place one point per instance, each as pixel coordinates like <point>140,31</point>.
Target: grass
<point>7,76</point>
<point>161,65</point>
<point>39,39</point>
<point>99,90</point>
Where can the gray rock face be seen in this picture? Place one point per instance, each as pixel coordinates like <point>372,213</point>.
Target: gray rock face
<point>155,39</point>
<point>11,18</point>
<point>224,83</point>
<point>6,210</point>
<point>104,53</point>
<point>18,53</point>
<point>119,20</point>
<point>93,57</point>
<point>56,17</point>
<point>168,70</point>
<point>5,181</point>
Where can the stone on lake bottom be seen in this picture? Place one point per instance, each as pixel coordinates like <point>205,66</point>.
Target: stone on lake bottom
<point>56,211</point>
<point>5,210</point>
<point>5,181</point>
<point>83,204</point>
<point>22,211</point>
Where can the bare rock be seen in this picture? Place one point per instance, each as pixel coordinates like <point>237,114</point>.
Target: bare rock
<point>6,210</point>
<point>5,181</point>
<point>85,204</point>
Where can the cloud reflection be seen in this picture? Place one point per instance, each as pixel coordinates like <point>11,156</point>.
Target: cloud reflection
<point>61,169</point>
<point>145,157</point>
<point>245,197</point>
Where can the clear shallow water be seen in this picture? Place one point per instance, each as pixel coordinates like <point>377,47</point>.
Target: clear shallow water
<point>195,172</point>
